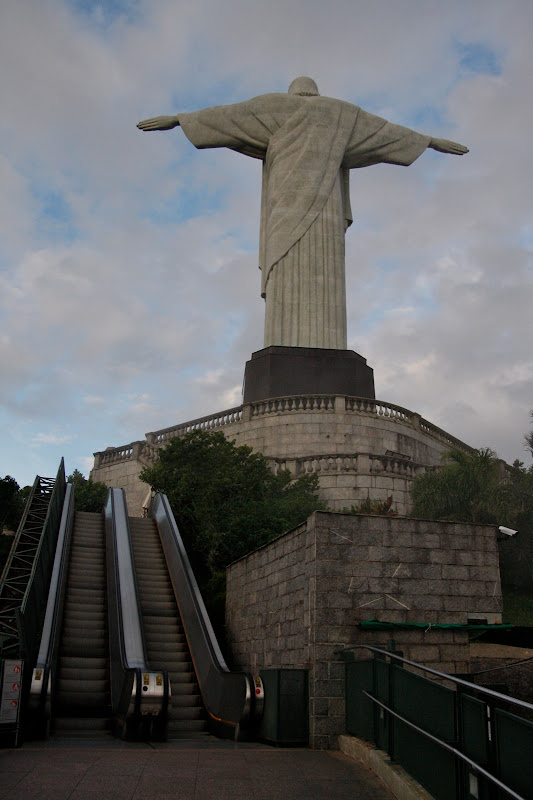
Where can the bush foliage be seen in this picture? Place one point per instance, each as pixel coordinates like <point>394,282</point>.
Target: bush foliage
<point>89,495</point>
<point>226,499</point>
<point>478,487</point>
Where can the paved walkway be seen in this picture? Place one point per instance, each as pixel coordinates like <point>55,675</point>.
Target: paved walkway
<point>74,770</point>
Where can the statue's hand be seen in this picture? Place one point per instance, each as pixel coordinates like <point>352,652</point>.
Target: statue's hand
<point>158,124</point>
<point>445,146</point>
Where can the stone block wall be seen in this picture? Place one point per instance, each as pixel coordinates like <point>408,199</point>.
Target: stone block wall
<point>275,582</point>
<point>125,475</point>
<point>296,601</point>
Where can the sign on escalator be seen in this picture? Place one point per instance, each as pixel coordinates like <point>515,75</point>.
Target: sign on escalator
<point>10,696</point>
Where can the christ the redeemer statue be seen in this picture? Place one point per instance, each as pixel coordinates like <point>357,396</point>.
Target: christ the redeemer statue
<point>307,144</point>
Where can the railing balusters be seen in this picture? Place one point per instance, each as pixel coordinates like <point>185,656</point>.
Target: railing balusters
<point>322,404</point>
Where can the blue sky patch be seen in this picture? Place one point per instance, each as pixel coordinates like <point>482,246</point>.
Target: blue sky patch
<point>219,92</point>
<point>427,118</point>
<point>103,13</point>
<point>477,58</point>
<point>55,219</point>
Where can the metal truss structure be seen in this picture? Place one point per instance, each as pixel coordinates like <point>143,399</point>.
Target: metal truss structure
<point>26,575</point>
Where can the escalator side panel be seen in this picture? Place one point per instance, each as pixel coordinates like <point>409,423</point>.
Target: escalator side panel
<point>39,705</point>
<point>227,696</point>
<point>163,632</point>
<point>139,695</point>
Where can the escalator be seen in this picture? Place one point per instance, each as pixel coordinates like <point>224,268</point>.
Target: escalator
<point>233,701</point>
<point>92,676</point>
<point>127,646</point>
<point>82,698</point>
<point>166,644</point>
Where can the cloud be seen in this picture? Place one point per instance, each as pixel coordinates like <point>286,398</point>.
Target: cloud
<point>129,289</point>
<point>52,438</point>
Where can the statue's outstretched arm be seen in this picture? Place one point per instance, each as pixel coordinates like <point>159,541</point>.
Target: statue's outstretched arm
<point>158,123</point>
<point>445,146</point>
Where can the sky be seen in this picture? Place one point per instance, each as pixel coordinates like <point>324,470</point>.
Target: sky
<point>129,289</point>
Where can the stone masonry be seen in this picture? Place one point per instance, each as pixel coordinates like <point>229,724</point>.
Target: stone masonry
<point>357,447</point>
<point>297,600</point>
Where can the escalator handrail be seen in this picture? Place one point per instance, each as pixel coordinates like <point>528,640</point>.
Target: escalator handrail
<point>45,667</point>
<point>132,634</point>
<point>136,689</point>
<point>125,626</point>
<point>227,694</point>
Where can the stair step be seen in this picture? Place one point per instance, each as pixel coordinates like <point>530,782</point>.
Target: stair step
<point>165,640</point>
<point>71,700</point>
<point>183,682</point>
<point>187,725</point>
<point>81,684</point>
<point>89,672</point>
<point>185,700</point>
<point>82,725</point>
<point>186,713</point>
<point>75,662</point>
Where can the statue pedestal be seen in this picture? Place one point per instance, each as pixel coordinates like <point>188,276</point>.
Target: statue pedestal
<point>284,371</point>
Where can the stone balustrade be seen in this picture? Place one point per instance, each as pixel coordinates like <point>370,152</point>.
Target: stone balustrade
<point>363,463</point>
<point>147,451</point>
<point>290,405</point>
<point>443,436</point>
<point>212,421</point>
<point>363,405</point>
<point>114,455</point>
<point>331,464</point>
<point>395,465</point>
<point>357,447</point>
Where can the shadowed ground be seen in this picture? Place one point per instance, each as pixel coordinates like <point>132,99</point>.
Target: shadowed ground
<point>70,770</point>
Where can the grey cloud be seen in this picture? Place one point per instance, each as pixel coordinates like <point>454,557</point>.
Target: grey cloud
<point>153,303</point>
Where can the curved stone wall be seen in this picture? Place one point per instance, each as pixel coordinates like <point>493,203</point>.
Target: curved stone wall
<point>358,447</point>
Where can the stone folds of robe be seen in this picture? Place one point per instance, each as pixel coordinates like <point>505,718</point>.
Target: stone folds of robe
<point>307,145</point>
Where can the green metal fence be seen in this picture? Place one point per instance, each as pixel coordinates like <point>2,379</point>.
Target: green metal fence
<point>459,740</point>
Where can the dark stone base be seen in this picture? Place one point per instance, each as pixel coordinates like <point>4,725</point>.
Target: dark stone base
<point>285,371</point>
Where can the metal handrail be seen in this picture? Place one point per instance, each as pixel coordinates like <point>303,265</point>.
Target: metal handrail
<point>459,681</point>
<point>137,691</point>
<point>43,678</point>
<point>231,698</point>
<point>475,766</point>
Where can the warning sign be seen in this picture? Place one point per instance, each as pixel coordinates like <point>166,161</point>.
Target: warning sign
<point>10,696</point>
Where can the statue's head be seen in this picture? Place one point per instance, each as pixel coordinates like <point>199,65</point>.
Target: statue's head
<point>305,87</point>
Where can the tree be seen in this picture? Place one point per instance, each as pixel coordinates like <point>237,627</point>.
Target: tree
<point>11,503</point>
<point>516,553</point>
<point>226,499</point>
<point>529,439</point>
<point>468,488</point>
<point>89,495</point>
<point>382,508</point>
<point>473,487</point>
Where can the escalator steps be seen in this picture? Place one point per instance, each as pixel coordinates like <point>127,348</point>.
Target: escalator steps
<point>164,636</point>
<point>82,700</point>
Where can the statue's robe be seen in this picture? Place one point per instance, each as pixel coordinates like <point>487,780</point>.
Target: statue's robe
<point>307,145</point>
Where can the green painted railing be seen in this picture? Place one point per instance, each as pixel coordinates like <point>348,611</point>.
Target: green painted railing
<point>459,740</point>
